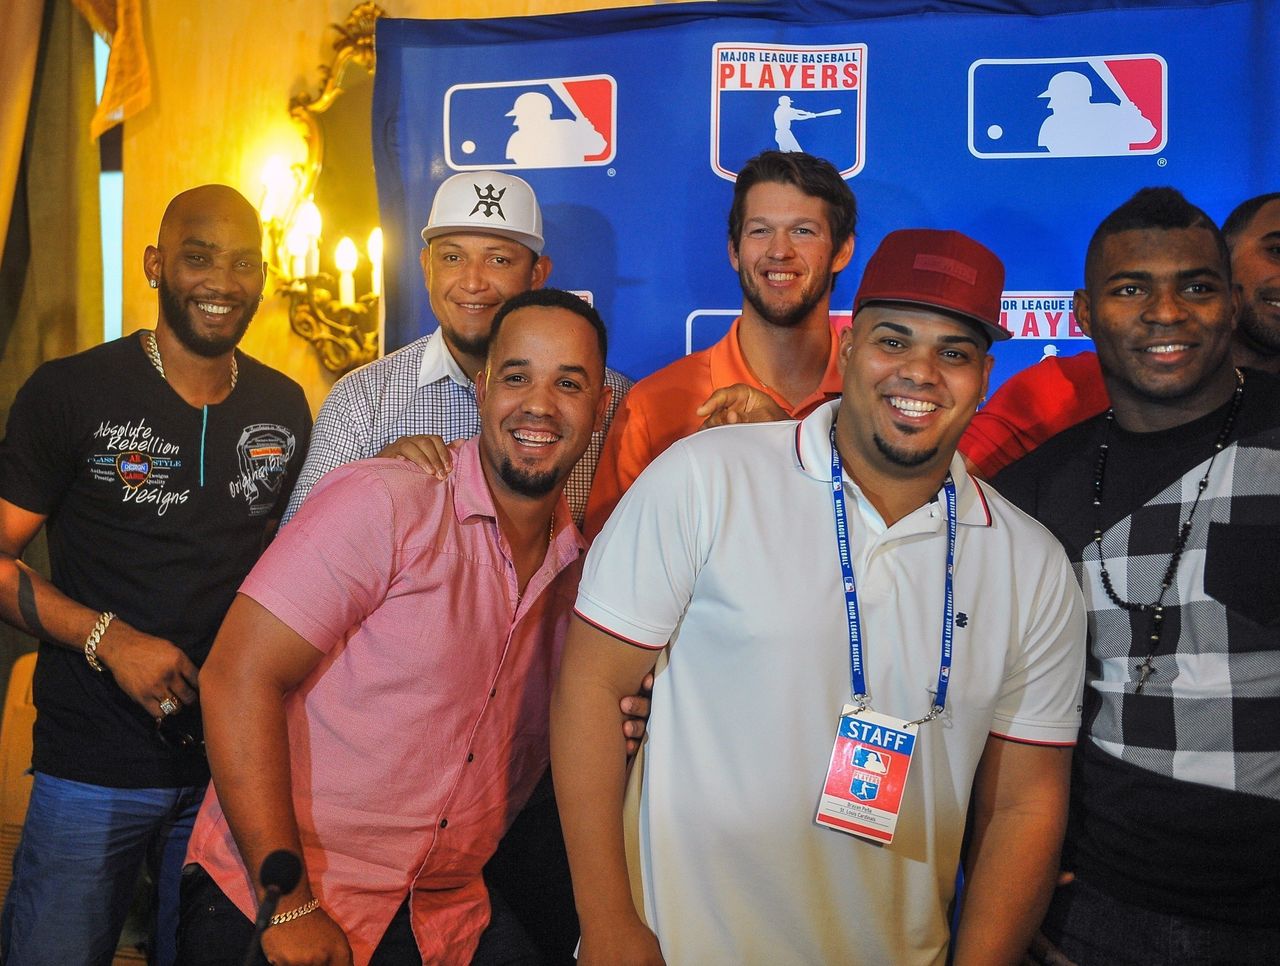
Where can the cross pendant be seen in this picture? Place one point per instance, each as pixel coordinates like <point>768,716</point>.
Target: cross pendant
<point>1145,670</point>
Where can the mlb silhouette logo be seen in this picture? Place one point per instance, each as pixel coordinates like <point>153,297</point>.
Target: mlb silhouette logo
<point>1084,107</point>
<point>788,98</point>
<point>869,759</point>
<point>559,122</point>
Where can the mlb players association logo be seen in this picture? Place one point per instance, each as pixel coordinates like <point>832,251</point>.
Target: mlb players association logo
<point>560,122</point>
<point>1084,107</point>
<point>790,98</point>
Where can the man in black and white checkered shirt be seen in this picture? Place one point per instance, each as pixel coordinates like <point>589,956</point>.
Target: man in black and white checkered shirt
<point>483,245</point>
<point>1174,840</point>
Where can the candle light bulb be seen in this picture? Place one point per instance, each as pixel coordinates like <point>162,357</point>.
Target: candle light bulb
<point>296,243</point>
<point>277,187</point>
<point>308,220</point>
<point>346,256</point>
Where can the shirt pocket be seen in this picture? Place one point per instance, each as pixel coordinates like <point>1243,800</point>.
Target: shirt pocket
<point>1242,570</point>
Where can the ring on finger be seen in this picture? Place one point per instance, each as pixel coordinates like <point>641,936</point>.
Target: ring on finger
<point>169,705</point>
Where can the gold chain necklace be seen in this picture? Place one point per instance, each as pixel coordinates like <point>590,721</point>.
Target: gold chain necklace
<point>153,353</point>
<point>551,538</point>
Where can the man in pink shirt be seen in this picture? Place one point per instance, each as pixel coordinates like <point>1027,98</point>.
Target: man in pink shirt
<point>377,699</point>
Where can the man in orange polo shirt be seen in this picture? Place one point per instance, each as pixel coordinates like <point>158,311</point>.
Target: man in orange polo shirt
<point>790,231</point>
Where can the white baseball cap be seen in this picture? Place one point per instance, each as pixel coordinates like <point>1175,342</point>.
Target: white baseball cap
<point>488,202</point>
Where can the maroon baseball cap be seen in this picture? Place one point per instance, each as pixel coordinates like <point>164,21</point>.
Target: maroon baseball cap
<point>943,270</point>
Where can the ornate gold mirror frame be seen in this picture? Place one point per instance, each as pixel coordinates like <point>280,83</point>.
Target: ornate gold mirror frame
<point>335,185</point>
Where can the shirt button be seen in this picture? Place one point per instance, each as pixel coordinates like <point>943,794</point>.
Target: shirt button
<point>444,823</point>
<point>471,757</point>
<point>493,693</point>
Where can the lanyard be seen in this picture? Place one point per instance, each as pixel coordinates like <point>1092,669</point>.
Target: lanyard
<point>857,674</point>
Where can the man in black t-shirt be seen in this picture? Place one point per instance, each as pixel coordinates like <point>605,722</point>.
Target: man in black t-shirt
<point>1169,506</point>
<point>159,464</point>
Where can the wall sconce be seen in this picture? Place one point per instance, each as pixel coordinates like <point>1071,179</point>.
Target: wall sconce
<point>337,177</point>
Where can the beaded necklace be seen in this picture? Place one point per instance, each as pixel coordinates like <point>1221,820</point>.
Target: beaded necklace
<point>1156,608</point>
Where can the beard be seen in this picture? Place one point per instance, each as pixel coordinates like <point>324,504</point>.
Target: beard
<point>1264,337</point>
<point>525,483</point>
<point>179,318</point>
<point>475,346</point>
<point>905,458</point>
<point>788,318</point>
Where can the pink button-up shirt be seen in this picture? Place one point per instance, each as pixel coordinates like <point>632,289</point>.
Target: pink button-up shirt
<point>424,728</point>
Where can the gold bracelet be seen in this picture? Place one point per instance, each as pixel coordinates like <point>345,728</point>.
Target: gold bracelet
<point>305,909</point>
<point>95,636</point>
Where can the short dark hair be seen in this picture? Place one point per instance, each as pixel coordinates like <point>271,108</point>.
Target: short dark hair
<point>816,177</point>
<point>1244,213</point>
<point>1162,209</point>
<point>553,298</point>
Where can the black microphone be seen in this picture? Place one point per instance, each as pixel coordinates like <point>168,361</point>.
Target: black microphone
<point>280,873</point>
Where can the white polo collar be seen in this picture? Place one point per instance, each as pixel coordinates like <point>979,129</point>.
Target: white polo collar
<point>438,363</point>
<point>813,457</point>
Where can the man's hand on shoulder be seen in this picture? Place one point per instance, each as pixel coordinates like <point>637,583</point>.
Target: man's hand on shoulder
<point>739,403</point>
<point>311,940</point>
<point>428,452</point>
<point>148,669</point>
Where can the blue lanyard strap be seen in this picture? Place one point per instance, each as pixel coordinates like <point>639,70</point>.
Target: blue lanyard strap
<point>857,672</point>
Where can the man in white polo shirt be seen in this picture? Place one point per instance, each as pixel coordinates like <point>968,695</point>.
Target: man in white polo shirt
<point>815,658</point>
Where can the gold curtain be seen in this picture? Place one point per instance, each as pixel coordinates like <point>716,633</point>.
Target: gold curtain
<point>19,43</point>
<point>127,88</point>
<point>59,309</point>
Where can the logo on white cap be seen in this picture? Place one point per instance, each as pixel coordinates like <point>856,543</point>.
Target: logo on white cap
<point>490,199</point>
<point>490,202</point>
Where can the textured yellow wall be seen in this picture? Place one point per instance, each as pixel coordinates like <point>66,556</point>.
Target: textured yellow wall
<point>223,72</point>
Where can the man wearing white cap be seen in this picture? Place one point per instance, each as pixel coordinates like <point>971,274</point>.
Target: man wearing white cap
<point>483,245</point>
<point>883,650</point>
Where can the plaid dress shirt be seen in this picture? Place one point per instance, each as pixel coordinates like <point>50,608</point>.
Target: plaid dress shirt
<point>418,390</point>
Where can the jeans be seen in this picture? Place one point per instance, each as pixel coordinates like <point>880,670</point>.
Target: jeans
<point>214,932</point>
<point>1096,929</point>
<point>77,865</point>
<point>530,872</point>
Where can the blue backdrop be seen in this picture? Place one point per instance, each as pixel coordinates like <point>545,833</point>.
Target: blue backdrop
<point>1022,130</point>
